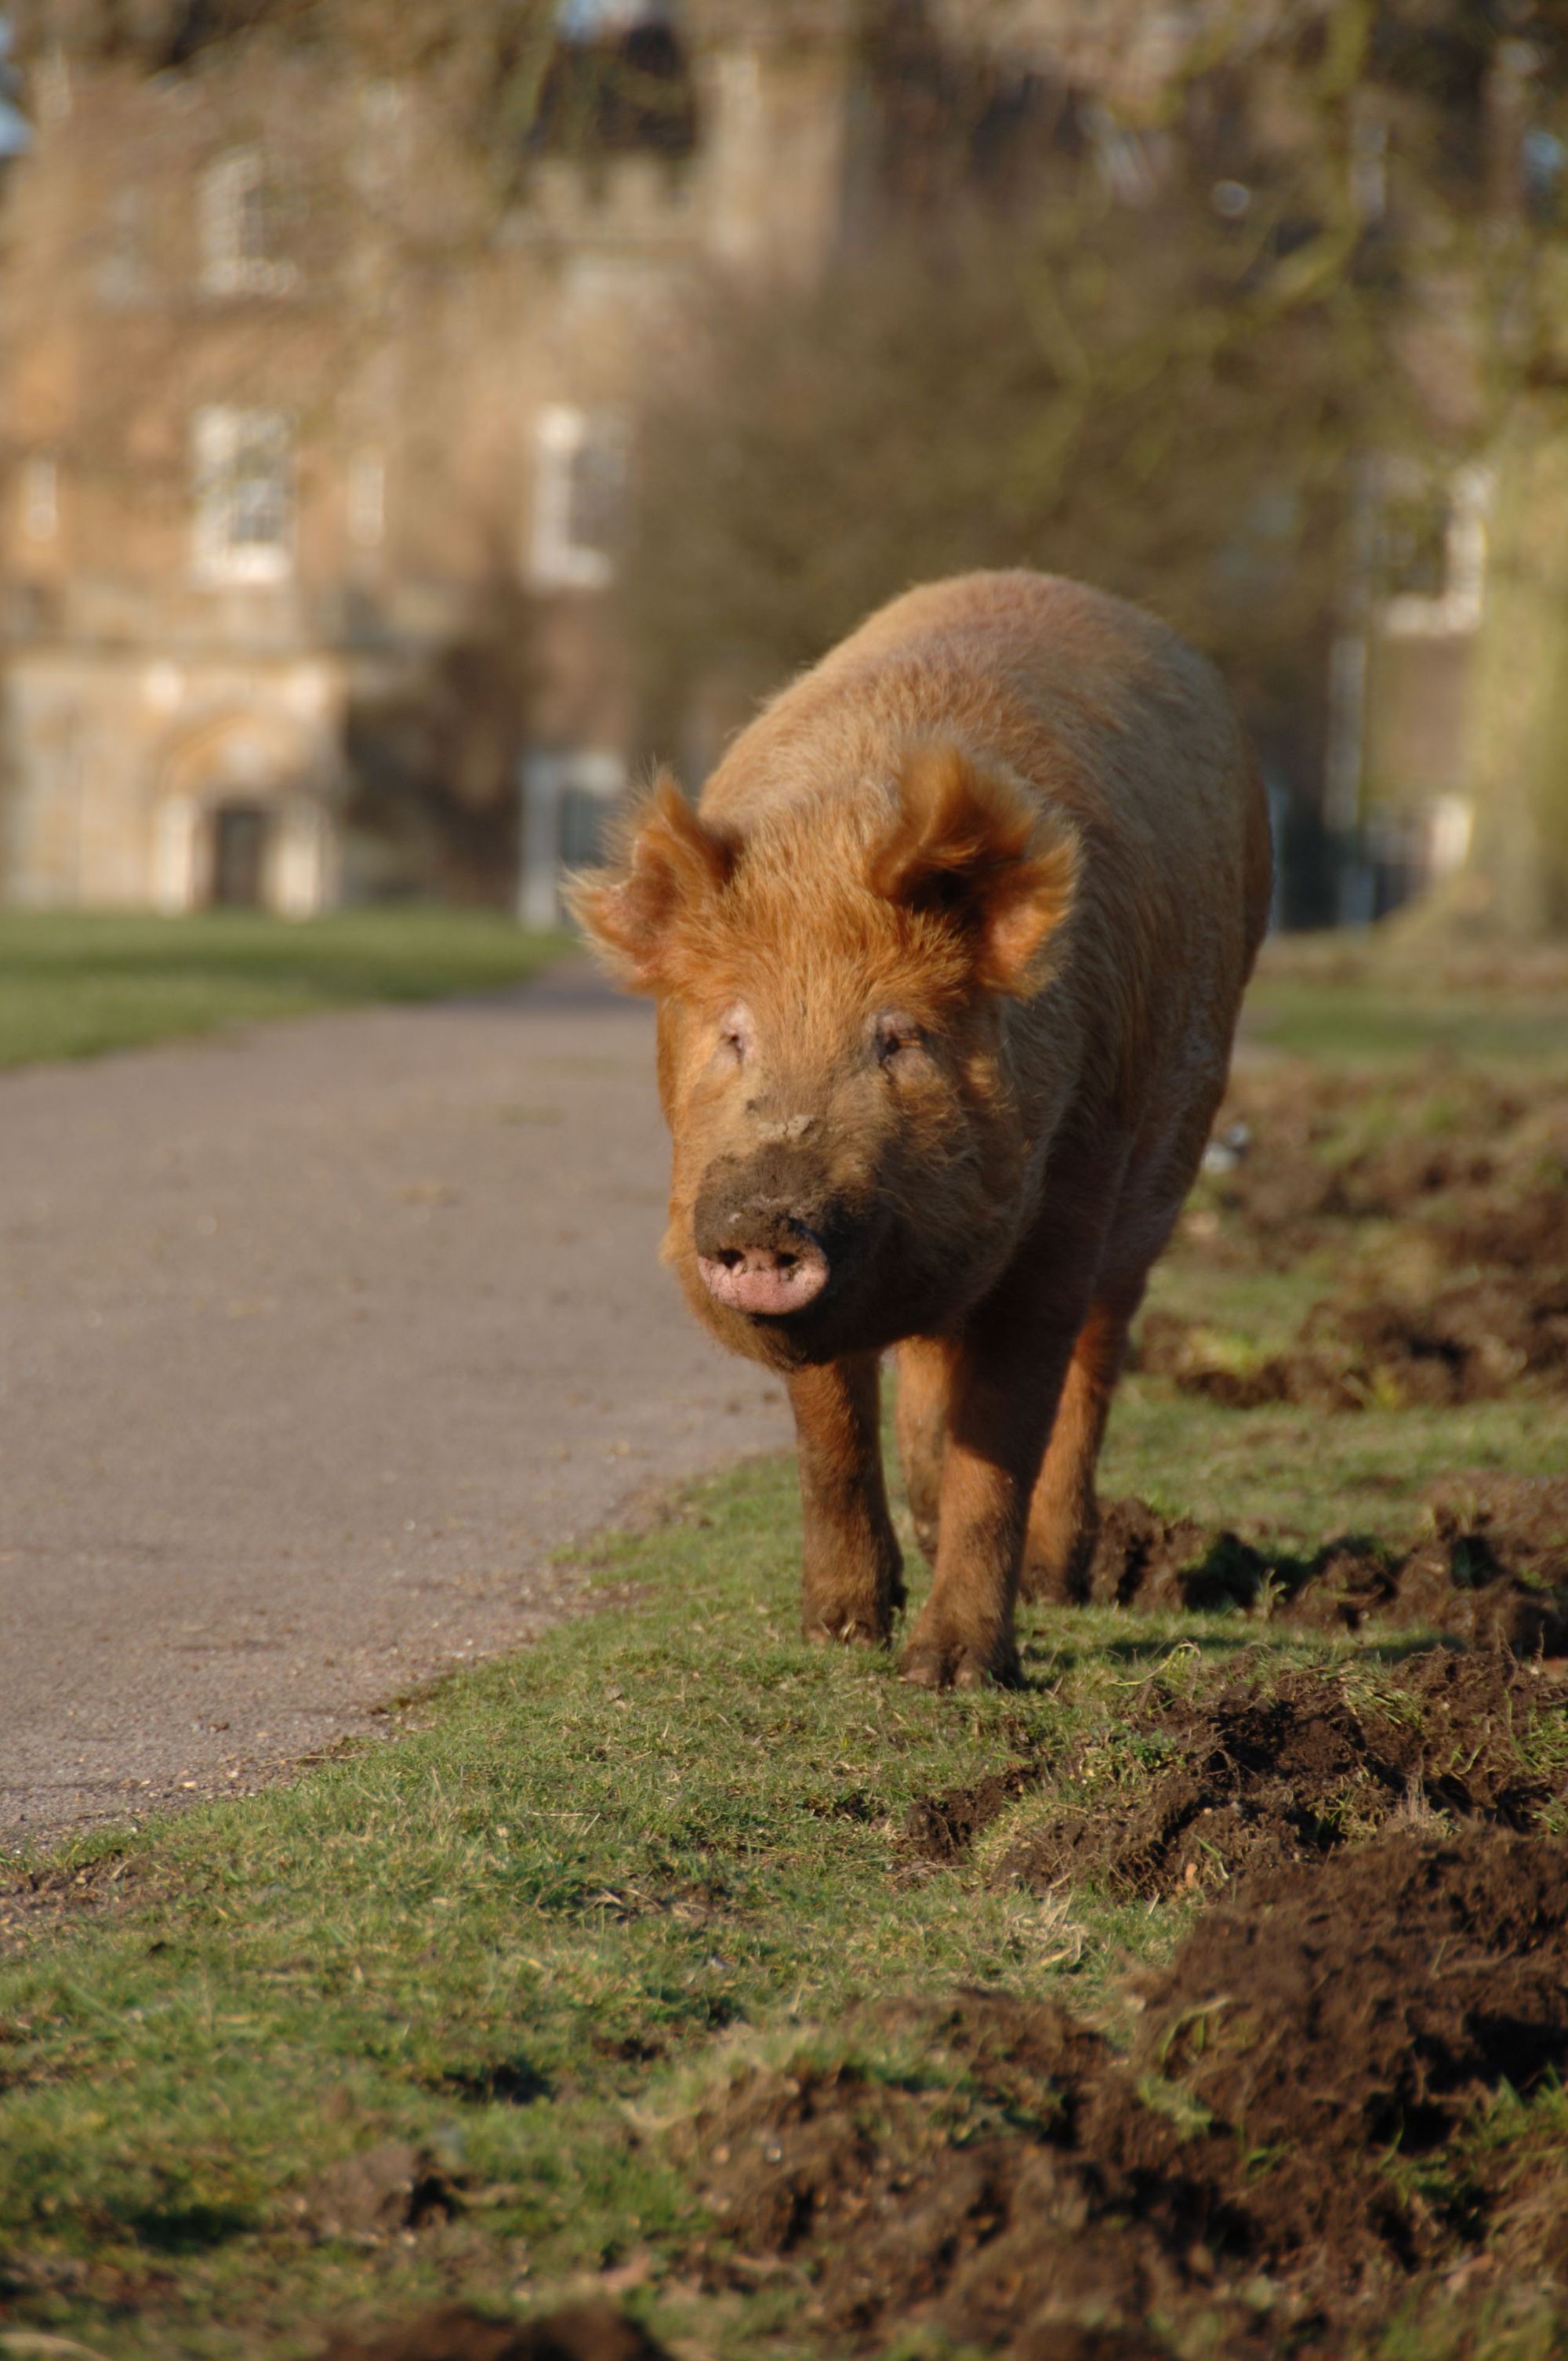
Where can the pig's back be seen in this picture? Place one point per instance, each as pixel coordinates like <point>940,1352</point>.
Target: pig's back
<point>1098,705</point>
<point>1111,717</point>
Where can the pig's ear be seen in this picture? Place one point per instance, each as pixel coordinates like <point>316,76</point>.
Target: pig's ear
<point>969,843</point>
<point>670,860</point>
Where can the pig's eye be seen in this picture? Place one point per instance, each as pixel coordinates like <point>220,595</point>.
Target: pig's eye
<point>900,1042</point>
<point>735,1036</point>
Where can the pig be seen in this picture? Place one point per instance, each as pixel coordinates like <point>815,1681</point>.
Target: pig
<point>947,961</point>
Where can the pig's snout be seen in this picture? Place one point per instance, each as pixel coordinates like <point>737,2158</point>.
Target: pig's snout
<point>770,1279</point>
<point>756,1250</point>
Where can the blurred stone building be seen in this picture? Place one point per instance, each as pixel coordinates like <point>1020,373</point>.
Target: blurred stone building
<point>316,437</point>
<point>316,448</point>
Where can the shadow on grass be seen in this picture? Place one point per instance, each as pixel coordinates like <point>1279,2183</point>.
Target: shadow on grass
<point>192,2227</point>
<point>505,2083</point>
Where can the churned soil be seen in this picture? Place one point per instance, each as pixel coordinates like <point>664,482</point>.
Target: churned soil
<point>1490,1568</point>
<point>1454,1243</point>
<point>1257,1767</point>
<point>594,2331</point>
<point>1306,1155</point>
<point>1190,1792</point>
<point>1292,2150</point>
<point>1471,1342</point>
<point>941,1829</point>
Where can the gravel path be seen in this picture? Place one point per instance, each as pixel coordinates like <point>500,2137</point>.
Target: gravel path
<point>317,1341</point>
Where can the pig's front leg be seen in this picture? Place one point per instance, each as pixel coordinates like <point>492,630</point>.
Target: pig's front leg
<point>1003,1391</point>
<point>853,1574</point>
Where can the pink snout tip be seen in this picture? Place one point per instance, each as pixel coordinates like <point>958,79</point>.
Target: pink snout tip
<point>765,1279</point>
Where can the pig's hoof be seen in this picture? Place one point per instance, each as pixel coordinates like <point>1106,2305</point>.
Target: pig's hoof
<point>850,1629</point>
<point>954,1665</point>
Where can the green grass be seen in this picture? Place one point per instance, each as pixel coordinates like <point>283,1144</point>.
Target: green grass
<point>73,985</point>
<point>1295,1477</point>
<point>1393,1019</point>
<point>1265,1468</point>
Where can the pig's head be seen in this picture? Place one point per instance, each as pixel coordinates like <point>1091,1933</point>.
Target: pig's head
<point>853,1135</point>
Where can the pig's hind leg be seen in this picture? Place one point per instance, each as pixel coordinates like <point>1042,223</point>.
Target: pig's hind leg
<point>1064,1513</point>
<point>922,1421</point>
<point>853,1576</point>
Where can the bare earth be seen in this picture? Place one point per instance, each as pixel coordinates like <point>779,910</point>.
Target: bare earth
<point>317,1341</point>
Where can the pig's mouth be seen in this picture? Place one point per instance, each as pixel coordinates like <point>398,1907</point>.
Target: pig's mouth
<point>768,1282</point>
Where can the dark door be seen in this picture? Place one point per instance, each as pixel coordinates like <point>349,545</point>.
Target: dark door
<point>239,853</point>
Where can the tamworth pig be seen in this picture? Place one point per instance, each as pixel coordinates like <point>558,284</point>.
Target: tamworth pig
<point>946,964</point>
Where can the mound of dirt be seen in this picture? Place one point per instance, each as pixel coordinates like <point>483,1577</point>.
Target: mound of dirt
<point>580,2332</point>
<point>377,2194</point>
<point>943,1828</point>
<point>1027,2190</point>
<point>1373,2001</point>
<point>1472,1341</point>
<point>1246,1778</point>
<point>1468,1343</point>
<point>1480,1206</point>
<point>1317,1153</point>
<point>981,2211</point>
<point>1308,1377</point>
<point>1527,1233</point>
<point>1166,1565</point>
<point>1491,1570</point>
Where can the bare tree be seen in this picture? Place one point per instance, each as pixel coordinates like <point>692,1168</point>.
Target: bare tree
<point>1160,357</point>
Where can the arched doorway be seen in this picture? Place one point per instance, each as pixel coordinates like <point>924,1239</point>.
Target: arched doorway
<point>241,823</point>
<point>237,853</point>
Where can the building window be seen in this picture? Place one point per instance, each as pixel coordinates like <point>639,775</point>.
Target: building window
<point>244,496</point>
<point>620,82</point>
<point>238,229</point>
<point>579,495</point>
<point>41,499</point>
<point>1430,550</point>
<point>568,796</point>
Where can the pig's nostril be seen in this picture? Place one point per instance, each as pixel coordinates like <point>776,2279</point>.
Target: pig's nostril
<point>765,1278</point>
